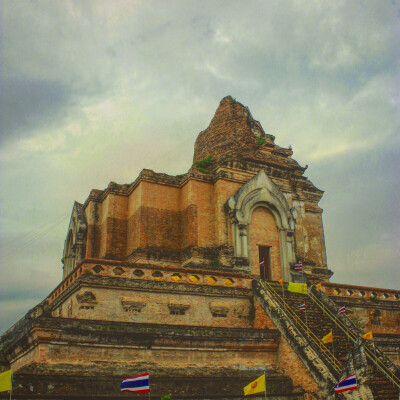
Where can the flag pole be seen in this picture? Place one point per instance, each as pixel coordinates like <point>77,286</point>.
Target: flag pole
<point>333,349</point>
<point>304,253</point>
<point>306,318</point>
<point>265,385</point>
<point>373,342</point>
<point>12,373</point>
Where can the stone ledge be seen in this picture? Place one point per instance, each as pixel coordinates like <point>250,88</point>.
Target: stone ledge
<point>96,281</point>
<point>63,382</point>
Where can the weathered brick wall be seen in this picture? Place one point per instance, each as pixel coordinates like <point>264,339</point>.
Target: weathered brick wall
<point>311,227</point>
<point>292,365</point>
<point>143,358</point>
<point>261,319</point>
<point>375,309</point>
<point>133,231</point>
<point>75,347</point>
<point>93,235</point>
<point>189,227</point>
<point>157,307</point>
<point>232,133</point>
<point>165,197</point>
<point>154,218</point>
<point>34,355</point>
<point>159,228</point>
<point>376,318</point>
<point>202,197</point>
<point>223,189</point>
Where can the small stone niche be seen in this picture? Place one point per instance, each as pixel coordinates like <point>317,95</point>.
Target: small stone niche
<point>132,305</point>
<point>219,309</point>
<point>178,307</point>
<point>86,300</point>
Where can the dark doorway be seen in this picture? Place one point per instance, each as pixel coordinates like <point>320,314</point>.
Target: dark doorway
<point>264,259</point>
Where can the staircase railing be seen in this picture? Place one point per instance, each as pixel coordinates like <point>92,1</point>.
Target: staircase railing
<point>313,338</point>
<point>353,333</point>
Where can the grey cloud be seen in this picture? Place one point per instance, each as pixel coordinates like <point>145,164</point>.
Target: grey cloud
<point>28,104</point>
<point>14,310</point>
<point>361,215</point>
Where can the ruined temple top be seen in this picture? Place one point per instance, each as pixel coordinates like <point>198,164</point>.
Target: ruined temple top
<point>233,134</point>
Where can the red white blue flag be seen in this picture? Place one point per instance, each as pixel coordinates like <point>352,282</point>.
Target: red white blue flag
<point>349,383</point>
<point>137,384</point>
<point>262,263</point>
<point>302,307</point>
<point>298,266</point>
<point>342,310</point>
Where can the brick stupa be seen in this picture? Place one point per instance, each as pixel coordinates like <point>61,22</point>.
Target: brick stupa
<point>178,276</point>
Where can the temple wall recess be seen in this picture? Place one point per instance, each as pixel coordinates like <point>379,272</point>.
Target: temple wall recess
<point>74,248</point>
<point>261,191</point>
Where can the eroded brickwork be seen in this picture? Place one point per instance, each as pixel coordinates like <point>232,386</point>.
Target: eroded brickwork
<point>184,219</point>
<point>292,366</point>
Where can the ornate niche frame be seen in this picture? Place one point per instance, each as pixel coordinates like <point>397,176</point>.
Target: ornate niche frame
<point>261,191</point>
<point>86,300</point>
<point>133,306</point>
<point>74,248</point>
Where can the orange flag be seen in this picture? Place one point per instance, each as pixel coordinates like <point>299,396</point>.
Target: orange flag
<point>318,286</point>
<point>328,338</point>
<point>368,336</point>
<point>281,281</point>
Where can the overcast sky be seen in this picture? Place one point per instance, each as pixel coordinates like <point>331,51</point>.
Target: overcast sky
<point>94,91</point>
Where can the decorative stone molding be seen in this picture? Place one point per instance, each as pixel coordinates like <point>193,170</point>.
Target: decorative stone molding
<point>219,309</point>
<point>86,297</point>
<point>86,300</point>
<point>261,191</point>
<point>74,250</point>
<point>178,307</point>
<point>132,304</point>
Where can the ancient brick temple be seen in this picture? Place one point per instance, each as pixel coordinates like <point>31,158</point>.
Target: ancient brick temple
<point>178,276</point>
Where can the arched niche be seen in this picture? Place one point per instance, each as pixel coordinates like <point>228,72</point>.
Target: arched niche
<point>261,191</point>
<point>263,243</point>
<point>74,246</point>
<point>69,254</point>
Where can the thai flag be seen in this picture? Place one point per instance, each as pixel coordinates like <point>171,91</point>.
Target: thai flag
<point>138,384</point>
<point>262,263</point>
<point>302,307</point>
<point>298,266</point>
<point>342,310</point>
<point>349,383</point>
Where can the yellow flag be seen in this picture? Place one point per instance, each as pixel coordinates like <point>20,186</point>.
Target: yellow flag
<point>5,380</point>
<point>328,338</point>
<point>281,281</point>
<point>318,286</point>
<point>368,336</point>
<point>297,287</point>
<point>256,386</point>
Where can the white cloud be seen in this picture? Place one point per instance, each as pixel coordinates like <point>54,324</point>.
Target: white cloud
<point>43,143</point>
<point>221,37</point>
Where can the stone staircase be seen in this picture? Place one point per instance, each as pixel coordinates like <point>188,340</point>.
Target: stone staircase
<point>381,388</point>
<point>382,375</point>
<point>348,354</point>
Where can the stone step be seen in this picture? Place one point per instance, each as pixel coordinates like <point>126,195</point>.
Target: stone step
<point>321,324</point>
